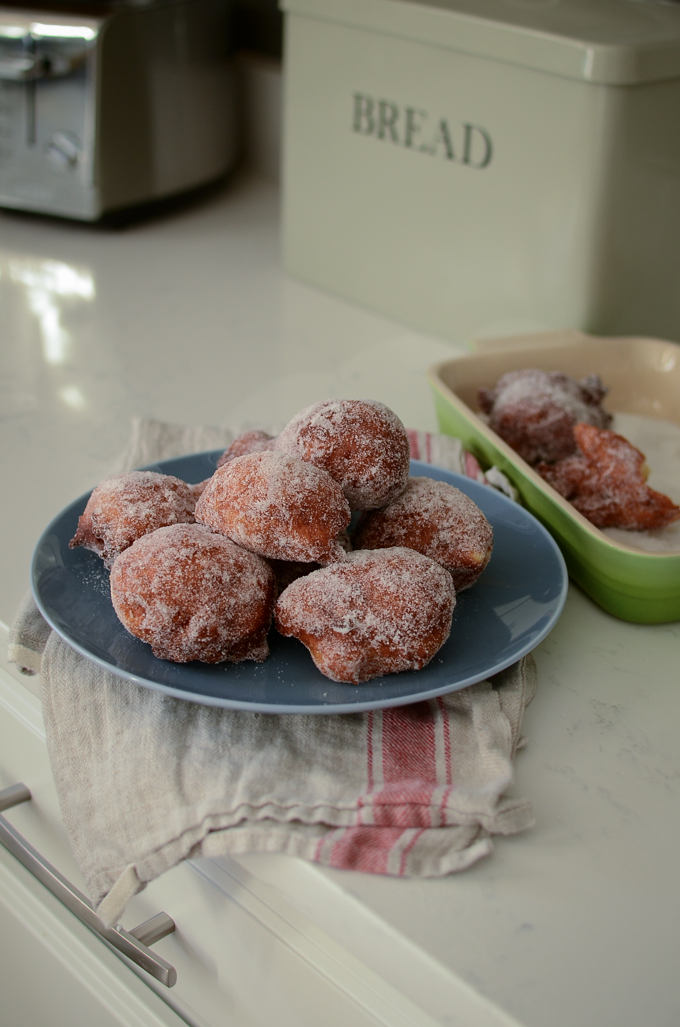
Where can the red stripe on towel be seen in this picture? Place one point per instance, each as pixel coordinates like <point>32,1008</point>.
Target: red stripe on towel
<point>408,758</point>
<point>472,468</point>
<point>369,751</point>
<point>365,848</point>
<point>441,705</point>
<point>361,802</point>
<point>409,744</point>
<point>409,765</point>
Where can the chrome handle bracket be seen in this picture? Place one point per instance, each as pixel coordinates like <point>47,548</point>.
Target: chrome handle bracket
<point>13,795</point>
<point>133,944</point>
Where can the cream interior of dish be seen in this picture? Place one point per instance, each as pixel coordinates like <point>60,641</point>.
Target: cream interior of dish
<point>660,442</point>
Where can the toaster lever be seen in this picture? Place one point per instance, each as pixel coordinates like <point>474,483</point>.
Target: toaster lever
<point>27,67</point>
<point>18,68</point>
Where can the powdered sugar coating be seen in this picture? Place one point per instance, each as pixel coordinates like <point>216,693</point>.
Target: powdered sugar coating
<point>287,571</point>
<point>535,411</point>
<point>277,506</point>
<point>379,612</point>
<point>362,444</point>
<point>254,441</point>
<point>435,519</point>
<point>606,482</point>
<point>126,506</point>
<point>194,595</point>
<point>198,488</point>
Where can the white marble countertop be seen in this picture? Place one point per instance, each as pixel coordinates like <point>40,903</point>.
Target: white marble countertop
<point>189,318</point>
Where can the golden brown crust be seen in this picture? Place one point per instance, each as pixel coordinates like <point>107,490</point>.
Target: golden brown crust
<point>435,519</point>
<point>126,506</point>
<point>605,481</point>
<point>377,613</point>
<point>535,411</point>
<point>254,441</point>
<point>194,595</point>
<point>288,571</point>
<point>277,506</point>
<point>362,444</point>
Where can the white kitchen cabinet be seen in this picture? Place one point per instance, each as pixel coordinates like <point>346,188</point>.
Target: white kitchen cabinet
<point>243,955</point>
<point>52,974</point>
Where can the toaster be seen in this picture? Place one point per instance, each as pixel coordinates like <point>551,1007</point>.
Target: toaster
<point>112,104</point>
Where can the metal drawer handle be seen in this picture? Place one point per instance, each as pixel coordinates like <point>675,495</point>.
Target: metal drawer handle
<point>133,944</point>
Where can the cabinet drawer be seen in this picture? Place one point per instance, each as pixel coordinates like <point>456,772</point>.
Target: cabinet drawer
<point>242,956</point>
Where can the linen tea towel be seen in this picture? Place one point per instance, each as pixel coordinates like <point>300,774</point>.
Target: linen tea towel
<point>146,780</point>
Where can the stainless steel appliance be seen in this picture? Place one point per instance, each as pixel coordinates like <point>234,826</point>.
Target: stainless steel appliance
<point>111,104</point>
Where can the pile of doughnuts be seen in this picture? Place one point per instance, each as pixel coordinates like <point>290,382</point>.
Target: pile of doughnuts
<point>535,411</point>
<point>200,572</point>
<point>559,426</point>
<point>606,481</point>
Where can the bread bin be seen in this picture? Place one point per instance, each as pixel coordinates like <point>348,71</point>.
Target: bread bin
<point>482,167</point>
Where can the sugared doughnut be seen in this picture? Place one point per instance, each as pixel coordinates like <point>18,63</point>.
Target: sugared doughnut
<point>287,571</point>
<point>197,489</point>
<point>194,595</point>
<point>435,519</point>
<point>278,506</point>
<point>362,444</point>
<point>249,442</point>
<point>379,612</point>
<point>606,482</point>
<point>126,506</point>
<point>535,411</point>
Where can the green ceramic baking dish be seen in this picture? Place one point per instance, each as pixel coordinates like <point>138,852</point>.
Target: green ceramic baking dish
<point>643,376</point>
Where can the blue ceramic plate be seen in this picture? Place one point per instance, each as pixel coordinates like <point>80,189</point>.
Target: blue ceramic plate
<point>513,605</point>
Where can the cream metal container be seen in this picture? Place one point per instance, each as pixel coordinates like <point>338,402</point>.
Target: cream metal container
<point>643,376</point>
<point>466,164</point>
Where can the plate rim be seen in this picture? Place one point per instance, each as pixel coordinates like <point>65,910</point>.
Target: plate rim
<point>325,709</point>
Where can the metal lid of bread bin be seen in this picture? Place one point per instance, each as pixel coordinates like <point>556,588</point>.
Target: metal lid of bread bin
<point>612,42</point>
